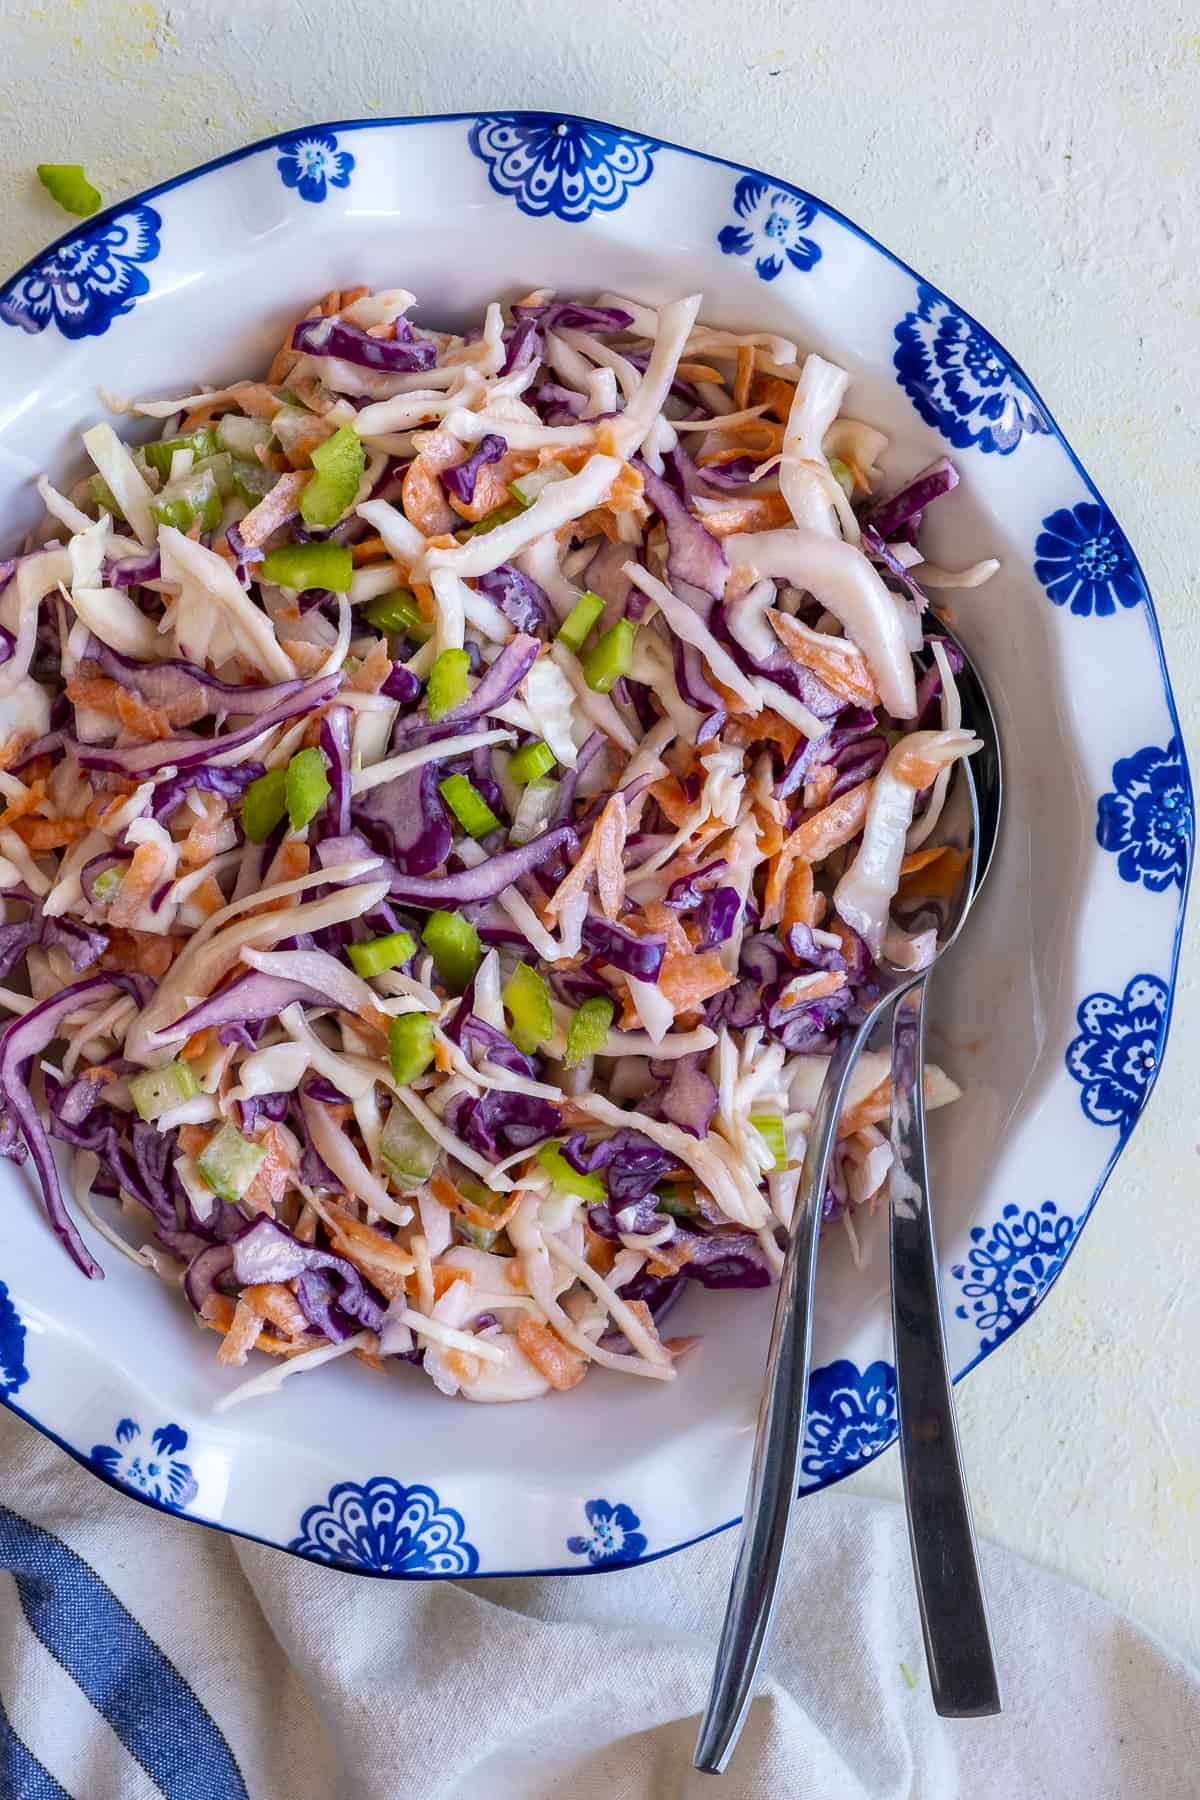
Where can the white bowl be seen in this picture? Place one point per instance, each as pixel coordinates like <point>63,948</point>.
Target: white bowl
<point>1052,1014</point>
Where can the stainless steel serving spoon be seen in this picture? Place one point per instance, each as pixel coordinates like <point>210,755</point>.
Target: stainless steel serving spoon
<point>958,1645</point>
<point>781,1417</point>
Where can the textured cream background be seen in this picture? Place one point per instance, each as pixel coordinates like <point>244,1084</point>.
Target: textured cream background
<point>1039,160</point>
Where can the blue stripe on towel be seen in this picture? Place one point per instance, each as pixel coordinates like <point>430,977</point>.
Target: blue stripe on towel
<point>121,1670</point>
<point>22,1776</point>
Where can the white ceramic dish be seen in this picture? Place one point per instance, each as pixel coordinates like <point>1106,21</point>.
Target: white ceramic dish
<point>1052,1015</point>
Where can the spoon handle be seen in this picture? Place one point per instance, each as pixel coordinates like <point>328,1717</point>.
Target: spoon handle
<point>777,1442</point>
<point>958,1645</point>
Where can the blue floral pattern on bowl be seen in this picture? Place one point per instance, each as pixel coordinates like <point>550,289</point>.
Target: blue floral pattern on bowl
<point>311,162</point>
<point>1010,1266</point>
<point>561,166</point>
<point>959,379</point>
<point>614,1536</point>
<point>1082,558</point>
<point>386,1527</point>
<point>13,1373</point>
<point>157,1471</point>
<point>1115,1057</point>
<point>851,1418</point>
<point>1147,820</point>
<point>773,225</point>
<point>82,285</point>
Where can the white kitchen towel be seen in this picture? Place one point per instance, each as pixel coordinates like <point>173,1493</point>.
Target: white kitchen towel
<point>141,1656</point>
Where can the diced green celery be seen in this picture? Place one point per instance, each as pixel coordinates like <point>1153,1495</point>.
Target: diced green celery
<point>578,623</point>
<point>104,497</point>
<point>530,761</point>
<point>154,1091</point>
<point>307,786</point>
<point>842,475</point>
<point>398,612</point>
<point>447,685</point>
<point>528,1001</point>
<point>229,1162</point>
<point>410,1046</point>
<point>220,465</point>
<point>584,1187</point>
<point>769,1127</point>
<point>512,509</point>
<point>588,1030</point>
<point>160,455</point>
<point>671,1199</point>
<point>535,809</point>
<point>107,882</point>
<point>253,481</point>
<point>375,955</point>
<point>67,183</point>
<point>301,566</point>
<point>339,463</point>
<point>526,488</point>
<point>243,437</point>
<point>468,806</point>
<point>195,499</point>
<point>611,657</point>
<point>406,1148</point>
<point>264,804</point>
<point>453,943</point>
<point>478,1235</point>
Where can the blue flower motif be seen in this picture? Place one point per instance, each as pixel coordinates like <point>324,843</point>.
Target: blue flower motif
<point>387,1527</point>
<point>561,166</point>
<point>1010,1266</point>
<point>614,1536</point>
<point>309,161</point>
<point>775,222</point>
<point>159,1473</point>
<point>1147,821</point>
<point>1082,557</point>
<point>959,379</point>
<point>1115,1057</point>
<point>13,1373</point>
<point>851,1418</point>
<point>83,285</point>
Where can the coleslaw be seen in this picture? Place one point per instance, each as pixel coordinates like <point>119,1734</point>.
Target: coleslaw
<point>457,790</point>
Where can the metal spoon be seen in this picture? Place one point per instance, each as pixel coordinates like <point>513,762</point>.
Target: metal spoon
<point>780,1430</point>
<point>958,1646</point>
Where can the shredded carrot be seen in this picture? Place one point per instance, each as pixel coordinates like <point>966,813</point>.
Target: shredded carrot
<point>600,1252</point>
<point>24,803</point>
<point>561,1366</point>
<point>671,798</point>
<point>373,670</point>
<point>465,1368</point>
<point>700,371</point>
<point>774,394</point>
<point>770,825</point>
<point>814,839</point>
<point>445,1276</point>
<point>202,841</point>
<point>244,1331</point>
<point>447,1195</point>
<point>422,494</point>
<point>743,378</point>
<point>609,833</point>
<point>874,1107</point>
<point>758,514</point>
<point>836,661</point>
<point>688,980</point>
<point>138,884</point>
<point>669,1258</point>
<point>799,895</point>
<point>272,1301</point>
<point>815,986</point>
<point>367,550</point>
<point>603,834</point>
<point>820,785</point>
<point>753,437</point>
<point>291,860</point>
<point>939,877</point>
<point>217,1315</point>
<point>47,834</point>
<point>194,1138</point>
<point>915,770</point>
<point>195,1046</point>
<point>147,952</point>
<point>273,1175</point>
<point>275,508</point>
<point>753,728</point>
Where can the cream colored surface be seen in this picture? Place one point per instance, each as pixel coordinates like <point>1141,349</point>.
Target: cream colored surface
<point>1038,160</point>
